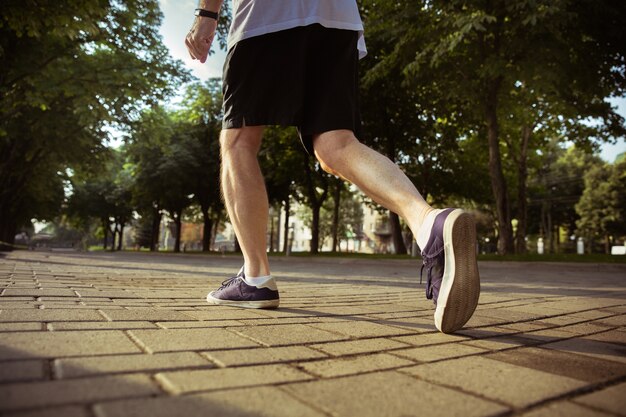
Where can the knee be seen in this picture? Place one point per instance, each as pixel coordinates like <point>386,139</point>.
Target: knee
<point>332,148</point>
<point>240,141</point>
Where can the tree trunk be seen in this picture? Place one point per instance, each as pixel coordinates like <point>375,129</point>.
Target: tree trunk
<point>216,225</point>
<point>522,204</point>
<point>121,235</point>
<point>315,203</point>
<point>315,228</point>
<point>550,231</point>
<point>271,233</point>
<point>396,234</point>
<point>156,224</point>
<point>286,225</point>
<point>337,203</point>
<point>498,183</point>
<point>179,226</point>
<point>8,228</point>
<point>113,233</point>
<point>207,229</point>
<point>105,226</point>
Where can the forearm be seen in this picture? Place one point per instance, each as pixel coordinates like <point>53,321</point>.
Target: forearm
<point>210,5</point>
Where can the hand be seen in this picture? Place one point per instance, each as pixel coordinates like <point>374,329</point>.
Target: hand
<point>200,37</point>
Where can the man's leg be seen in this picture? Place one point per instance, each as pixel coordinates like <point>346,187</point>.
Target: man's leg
<point>245,196</point>
<point>341,154</point>
<point>447,237</point>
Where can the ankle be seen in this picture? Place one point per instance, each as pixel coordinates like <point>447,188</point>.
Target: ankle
<point>257,270</point>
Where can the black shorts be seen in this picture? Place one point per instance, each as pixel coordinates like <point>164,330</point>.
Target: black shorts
<point>305,77</point>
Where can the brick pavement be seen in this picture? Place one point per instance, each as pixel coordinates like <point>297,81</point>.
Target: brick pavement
<point>129,334</point>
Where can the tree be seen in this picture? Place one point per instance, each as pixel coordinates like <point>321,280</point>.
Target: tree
<point>65,75</point>
<point>475,54</point>
<point>104,194</point>
<point>282,163</point>
<point>602,206</point>
<point>201,112</point>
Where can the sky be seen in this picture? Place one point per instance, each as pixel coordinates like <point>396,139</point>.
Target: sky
<point>178,17</point>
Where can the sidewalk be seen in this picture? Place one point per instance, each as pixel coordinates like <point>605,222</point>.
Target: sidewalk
<point>130,334</point>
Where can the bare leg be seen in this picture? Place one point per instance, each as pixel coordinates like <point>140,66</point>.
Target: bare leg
<point>341,154</point>
<point>245,195</point>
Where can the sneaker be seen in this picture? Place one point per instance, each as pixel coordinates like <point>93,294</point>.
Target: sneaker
<point>237,292</point>
<point>452,280</point>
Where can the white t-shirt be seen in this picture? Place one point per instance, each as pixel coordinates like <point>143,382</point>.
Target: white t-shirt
<point>258,17</point>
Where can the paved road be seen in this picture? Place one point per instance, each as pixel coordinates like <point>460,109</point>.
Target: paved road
<point>129,334</point>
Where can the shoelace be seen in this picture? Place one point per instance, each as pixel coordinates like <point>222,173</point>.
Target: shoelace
<point>428,263</point>
<point>229,281</point>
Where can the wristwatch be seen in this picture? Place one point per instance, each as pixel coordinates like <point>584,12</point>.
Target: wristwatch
<point>206,13</point>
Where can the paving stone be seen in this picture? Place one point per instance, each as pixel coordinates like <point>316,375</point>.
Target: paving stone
<point>390,394</point>
<point>413,324</point>
<point>548,335</point>
<point>63,344</point>
<point>19,306</point>
<point>259,401</point>
<point>26,292</point>
<point>21,370</point>
<point>352,347</point>
<point>75,367</point>
<point>562,363</point>
<point>591,348</point>
<point>222,313</point>
<point>346,310</point>
<point>430,339</point>
<point>361,329</point>
<point>526,326</point>
<point>611,399</point>
<point>205,380</point>
<point>262,355</point>
<point>289,334</point>
<point>85,390</point>
<point>63,411</point>
<point>564,409</point>
<point>101,325</point>
<point>147,315</point>
<point>50,315</point>
<point>502,342</point>
<point>171,340</point>
<point>511,384</point>
<point>612,336</point>
<point>87,293</point>
<point>614,321</point>
<point>584,329</point>
<point>439,352</point>
<point>329,368</point>
<point>199,324</point>
<point>17,327</point>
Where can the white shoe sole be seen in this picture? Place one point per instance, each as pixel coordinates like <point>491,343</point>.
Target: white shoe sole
<point>460,286</point>
<point>245,304</point>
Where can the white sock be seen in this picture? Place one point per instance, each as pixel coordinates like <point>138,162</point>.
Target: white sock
<point>424,233</point>
<point>258,281</point>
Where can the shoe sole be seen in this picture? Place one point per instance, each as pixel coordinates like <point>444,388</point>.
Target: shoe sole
<point>460,286</point>
<point>244,304</point>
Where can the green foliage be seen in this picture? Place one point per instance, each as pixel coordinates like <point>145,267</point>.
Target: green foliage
<point>350,217</point>
<point>176,157</point>
<point>67,70</point>
<point>491,70</point>
<point>602,206</point>
<point>103,195</point>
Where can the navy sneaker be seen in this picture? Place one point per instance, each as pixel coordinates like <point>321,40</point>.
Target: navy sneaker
<point>237,292</point>
<point>452,271</point>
